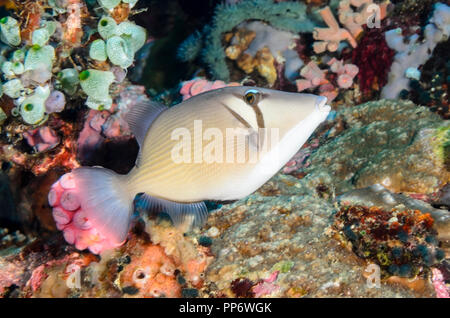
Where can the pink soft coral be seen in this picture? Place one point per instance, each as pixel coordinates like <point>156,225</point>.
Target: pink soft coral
<point>200,85</point>
<point>267,286</point>
<point>330,38</point>
<point>328,87</point>
<point>345,72</point>
<point>42,138</point>
<point>442,291</point>
<point>352,20</point>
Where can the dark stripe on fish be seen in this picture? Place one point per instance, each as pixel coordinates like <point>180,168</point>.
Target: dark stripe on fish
<point>238,117</point>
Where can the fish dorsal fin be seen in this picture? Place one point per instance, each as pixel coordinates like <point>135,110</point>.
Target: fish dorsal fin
<point>140,118</point>
<point>183,215</point>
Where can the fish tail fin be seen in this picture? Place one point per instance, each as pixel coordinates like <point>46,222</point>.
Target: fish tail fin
<point>93,206</point>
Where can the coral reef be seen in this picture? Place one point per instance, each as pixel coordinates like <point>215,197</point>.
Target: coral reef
<point>401,242</point>
<point>328,39</point>
<point>380,197</point>
<point>442,291</point>
<point>227,17</point>
<point>299,159</point>
<point>8,239</point>
<point>279,239</point>
<point>432,88</point>
<point>412,55</point>
<point>61,156</point>
<point>142,268</point>
<point>442,198</point>
<point>370,189</point>
<point>48,74</point>
<point>192,259</point>
<point>374,59</point>
<point>37,68</point>
<point>340,75</point>
<point>171,266</point>
<point>101,128</point>
<point>199,85</point>
<point>367,152</point>
<point>152,275</point>
<point>256,45</point>
<point>42,138</point>
<point>289,218</point>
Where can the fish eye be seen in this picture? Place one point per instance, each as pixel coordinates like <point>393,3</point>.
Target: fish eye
<point>251,97</point>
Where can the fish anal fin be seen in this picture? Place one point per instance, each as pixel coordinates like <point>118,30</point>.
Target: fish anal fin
<point>183,215</point>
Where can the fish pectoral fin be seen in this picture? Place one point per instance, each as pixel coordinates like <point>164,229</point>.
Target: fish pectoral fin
<point>182,214</point>
<point>256,139</point>
<point>141,116</point>
<point>253,140</point>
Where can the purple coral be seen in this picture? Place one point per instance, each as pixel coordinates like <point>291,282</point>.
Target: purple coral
<point>442,291</point>
<point>55,102</point>
<point>267,286</point>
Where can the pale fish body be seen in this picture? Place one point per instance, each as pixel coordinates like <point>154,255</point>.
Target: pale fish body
<point>296,116</point>
<point>271,125</point>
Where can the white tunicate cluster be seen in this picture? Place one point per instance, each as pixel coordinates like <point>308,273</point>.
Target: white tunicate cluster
<point>133,34</point>
<point>13,88</point>
<point>118,44</point>
<point>18,68</point>
<point>38,58</point>
<point>27,71</point>
<point>7,69</point>
<point>119,52</point>
<point>18,56</point>
<point>9,31</point>
<point>98,50</point>
<point>122,42</point>
<point>109,4</point>
<point>32,107</point>
<point>96,85</point>
<point>107,27</point>
<point>40,37</point>
<point>413,53</point>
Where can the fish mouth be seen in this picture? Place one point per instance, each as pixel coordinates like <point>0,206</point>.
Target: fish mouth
<point>321,104</point>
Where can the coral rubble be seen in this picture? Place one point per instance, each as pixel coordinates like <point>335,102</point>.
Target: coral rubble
<point>400,242</point>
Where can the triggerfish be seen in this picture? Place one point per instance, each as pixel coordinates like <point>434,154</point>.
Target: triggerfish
<point>221,145</point>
